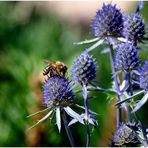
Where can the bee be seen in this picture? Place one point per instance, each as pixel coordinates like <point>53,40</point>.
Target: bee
<point>55,68</point>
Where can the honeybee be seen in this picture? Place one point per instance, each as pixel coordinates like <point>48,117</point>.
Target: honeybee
<point>55,68</point>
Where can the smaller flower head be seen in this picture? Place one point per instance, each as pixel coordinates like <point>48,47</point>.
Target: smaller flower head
<point>127,57</point>
<point>107,22</point>
<point>57,92</point>
<point>134,28</point>
<point>125,135</point>
<point>144,76</point>
<point>84,69</point>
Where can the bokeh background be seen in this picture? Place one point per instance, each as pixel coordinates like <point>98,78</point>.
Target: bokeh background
<point>31,32</point>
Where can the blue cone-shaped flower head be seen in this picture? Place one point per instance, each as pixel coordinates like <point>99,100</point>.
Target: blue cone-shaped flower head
<point>134,28</point>
<point>126,135</point>
<point>84,69</point>
<point>57,92</point>
<point>127,57</point>
<point>144,76</point>
<point>107,22</point>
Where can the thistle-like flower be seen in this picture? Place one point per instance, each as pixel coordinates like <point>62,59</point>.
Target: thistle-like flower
<point>83,72</point>
<point>134,28</point>
<point>127,57</point>
<point>57,92</point>
<point>144,76</point>
<point>58,96</point>
<point>126,135</point>
<point>107,22</point>
<point>84,69</point>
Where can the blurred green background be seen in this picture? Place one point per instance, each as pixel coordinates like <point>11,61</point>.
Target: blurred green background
<point>31,32</point>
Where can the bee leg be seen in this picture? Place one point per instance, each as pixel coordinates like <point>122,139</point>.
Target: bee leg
<point>44,72</point>
<point>49,75</point>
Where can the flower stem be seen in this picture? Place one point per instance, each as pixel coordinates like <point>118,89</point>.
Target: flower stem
<point>86,117</point>
<point>135,114</point>
<point>68,132</point>
<point>116,82</point>
<point>126,104</point>
<point>88,135</point>
<point>127,113</point>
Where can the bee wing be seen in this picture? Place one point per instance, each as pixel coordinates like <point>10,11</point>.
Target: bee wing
<point>46,61</point>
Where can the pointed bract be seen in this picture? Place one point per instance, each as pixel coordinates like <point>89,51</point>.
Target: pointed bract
<point>58,119</point>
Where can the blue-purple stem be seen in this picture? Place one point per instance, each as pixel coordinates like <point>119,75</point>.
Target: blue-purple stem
<point>128,112</point>
<point>67,128</point>
<point>86,116</point>
<point>135,114</point>
<point>116,83</point>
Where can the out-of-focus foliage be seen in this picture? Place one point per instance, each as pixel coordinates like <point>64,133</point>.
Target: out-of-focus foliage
<point>25,41</point>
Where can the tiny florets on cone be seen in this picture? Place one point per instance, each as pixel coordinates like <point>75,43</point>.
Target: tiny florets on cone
<point>127,57</point>
<point>108,22</point>
<point>57,92</point>
<point>126,135</point>
<point>134,28</point>
<point>84,69</point>
<point>144,76</point>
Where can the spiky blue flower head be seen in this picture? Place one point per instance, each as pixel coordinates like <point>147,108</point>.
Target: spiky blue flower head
<point>107,22</point>
<point>57,92</point>
<point>126,135</point>
<point>127,57</point>
<point>134,28</point>
<point>144,76</point>
<point>84,69</point>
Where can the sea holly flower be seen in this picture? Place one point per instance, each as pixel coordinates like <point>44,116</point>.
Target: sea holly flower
<point>134,28</point>
<point>127,57</point>
<point>84,72</point>
<point>108,22</point>
<point>57,92</point>
<point>126,135</point>
<point>58,97</point>
<point>84,69</point>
